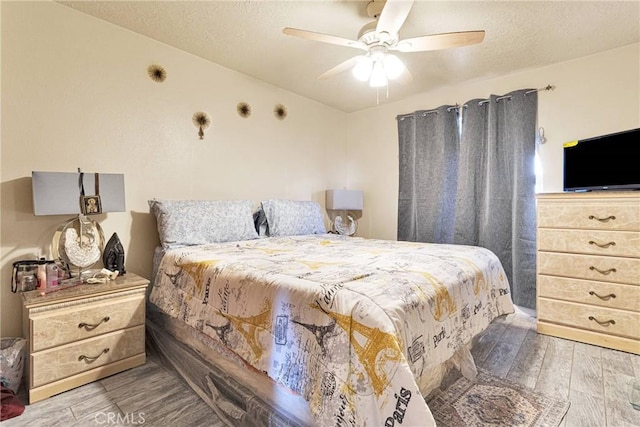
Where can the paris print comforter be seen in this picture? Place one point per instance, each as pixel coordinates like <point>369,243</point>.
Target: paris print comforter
<point>351,324</point>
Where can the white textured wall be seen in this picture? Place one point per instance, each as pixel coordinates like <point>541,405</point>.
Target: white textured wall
<point>75,93</point>
<point>594,95</point>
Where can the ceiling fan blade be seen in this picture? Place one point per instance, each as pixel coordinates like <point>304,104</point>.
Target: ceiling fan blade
<point>439,41</point>
<point>393,15</point>
<point>343,66</point>
<point>324,38</point>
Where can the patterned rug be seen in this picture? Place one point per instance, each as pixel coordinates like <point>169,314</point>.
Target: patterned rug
<point>491,401</point>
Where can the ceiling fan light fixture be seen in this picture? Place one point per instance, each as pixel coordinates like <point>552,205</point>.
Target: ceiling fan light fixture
<point>379,37</point>
<point>362,69</point>
<point>378,75</point>
<point>393,67</point>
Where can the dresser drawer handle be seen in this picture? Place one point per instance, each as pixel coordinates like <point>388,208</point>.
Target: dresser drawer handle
<point>605,323</point>
<point>90,359</point>
<point>90,327</point>
<point>611,270</point>
<point>605,297</point>
<point>602,219</point>
<point>602,245</point>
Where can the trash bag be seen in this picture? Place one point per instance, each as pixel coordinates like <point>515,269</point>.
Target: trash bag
<point>11,362</point>
<point>11,404</point>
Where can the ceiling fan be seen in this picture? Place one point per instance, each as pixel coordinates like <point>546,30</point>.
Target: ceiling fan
<point>380,37</point>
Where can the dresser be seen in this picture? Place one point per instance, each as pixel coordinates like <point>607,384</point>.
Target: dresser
<point>82,333</point>
<point>588,276</point>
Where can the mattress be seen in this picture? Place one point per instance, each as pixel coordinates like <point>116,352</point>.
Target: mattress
<point>354,326</point>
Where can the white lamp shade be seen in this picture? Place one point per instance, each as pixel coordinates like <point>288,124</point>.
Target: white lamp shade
<point>348,200</point>
<point>393,66</point>
<point>362,69</point>
<point>58,193</point>
<point>378,76</point>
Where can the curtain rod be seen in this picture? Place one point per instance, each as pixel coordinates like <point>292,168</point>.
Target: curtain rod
<point>484,101</point>
<point>547,87</point>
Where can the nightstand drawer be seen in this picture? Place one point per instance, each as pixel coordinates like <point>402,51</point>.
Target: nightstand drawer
<point>67,360</point>
<point>610,295</point>
<point>596,242</point>
<point>77,322</point>
<point>591,267</point>
<point>610,321</point>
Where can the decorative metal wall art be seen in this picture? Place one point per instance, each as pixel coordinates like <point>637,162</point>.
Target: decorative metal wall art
<point>157,73</point>
<point>244,109</point>
<point>201,121</point>
<point>280,111</point>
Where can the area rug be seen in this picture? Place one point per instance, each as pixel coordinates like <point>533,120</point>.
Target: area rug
<point>491,401</point>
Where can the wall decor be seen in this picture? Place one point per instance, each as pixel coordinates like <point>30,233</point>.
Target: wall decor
<point>244,109</point>
<point>157,73</point>
<point>202,121</point>
<point>280,111</point>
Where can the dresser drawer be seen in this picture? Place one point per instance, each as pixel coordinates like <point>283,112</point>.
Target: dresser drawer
<point>610,295</point>
<point>605,320</point>
<point>61,362</point>
<point>599,268</point>
<point>596,242</point>
<point>51,328</point>
<point>603,215</point>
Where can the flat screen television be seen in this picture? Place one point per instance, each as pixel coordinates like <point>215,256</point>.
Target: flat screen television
<point>608,162</point>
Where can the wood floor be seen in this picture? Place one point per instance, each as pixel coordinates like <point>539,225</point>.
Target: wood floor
<point>149,395</point>
<point>596,381</point>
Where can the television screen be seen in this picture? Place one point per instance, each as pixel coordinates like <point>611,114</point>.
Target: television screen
<point>609,162</point>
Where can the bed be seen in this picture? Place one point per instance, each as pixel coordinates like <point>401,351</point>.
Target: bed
<point>341,330</point>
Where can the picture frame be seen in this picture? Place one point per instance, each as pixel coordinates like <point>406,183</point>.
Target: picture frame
<point>90,205</point>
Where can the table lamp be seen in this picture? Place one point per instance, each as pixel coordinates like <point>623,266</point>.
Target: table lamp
<point>78,242</point>
<point>344,202</point>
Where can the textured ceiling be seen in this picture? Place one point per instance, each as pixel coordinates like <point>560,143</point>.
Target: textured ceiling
<point>246,36</point>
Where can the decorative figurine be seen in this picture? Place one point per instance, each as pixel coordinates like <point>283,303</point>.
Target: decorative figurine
<point>113,257</point>
<point>202,121</point>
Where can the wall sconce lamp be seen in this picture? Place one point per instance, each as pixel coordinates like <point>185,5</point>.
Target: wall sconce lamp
<point>344,202</point>
<point>79,241</point>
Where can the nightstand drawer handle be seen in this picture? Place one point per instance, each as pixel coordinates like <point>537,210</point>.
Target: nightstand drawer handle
<point>602,245</point>
<point>605,323</point>
<point>602,219</point>
<point>90,327</point>
<point>90,359</point>
<point>611,270</point>
<point>605,297</point>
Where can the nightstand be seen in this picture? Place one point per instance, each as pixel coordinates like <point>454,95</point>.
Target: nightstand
<point>83,333</point>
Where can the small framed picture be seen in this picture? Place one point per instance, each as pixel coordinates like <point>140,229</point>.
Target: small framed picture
<point>90,205</point>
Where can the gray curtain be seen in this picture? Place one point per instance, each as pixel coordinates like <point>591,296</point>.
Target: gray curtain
<point>428,175</point>
<point>493,203</point>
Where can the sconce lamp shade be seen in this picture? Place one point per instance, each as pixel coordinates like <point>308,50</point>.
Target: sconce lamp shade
<point>348,200</point>
<point>58,193</point>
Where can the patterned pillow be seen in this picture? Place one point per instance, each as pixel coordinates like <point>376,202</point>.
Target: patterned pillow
<point>293,217</point>
<point>197,222</point>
